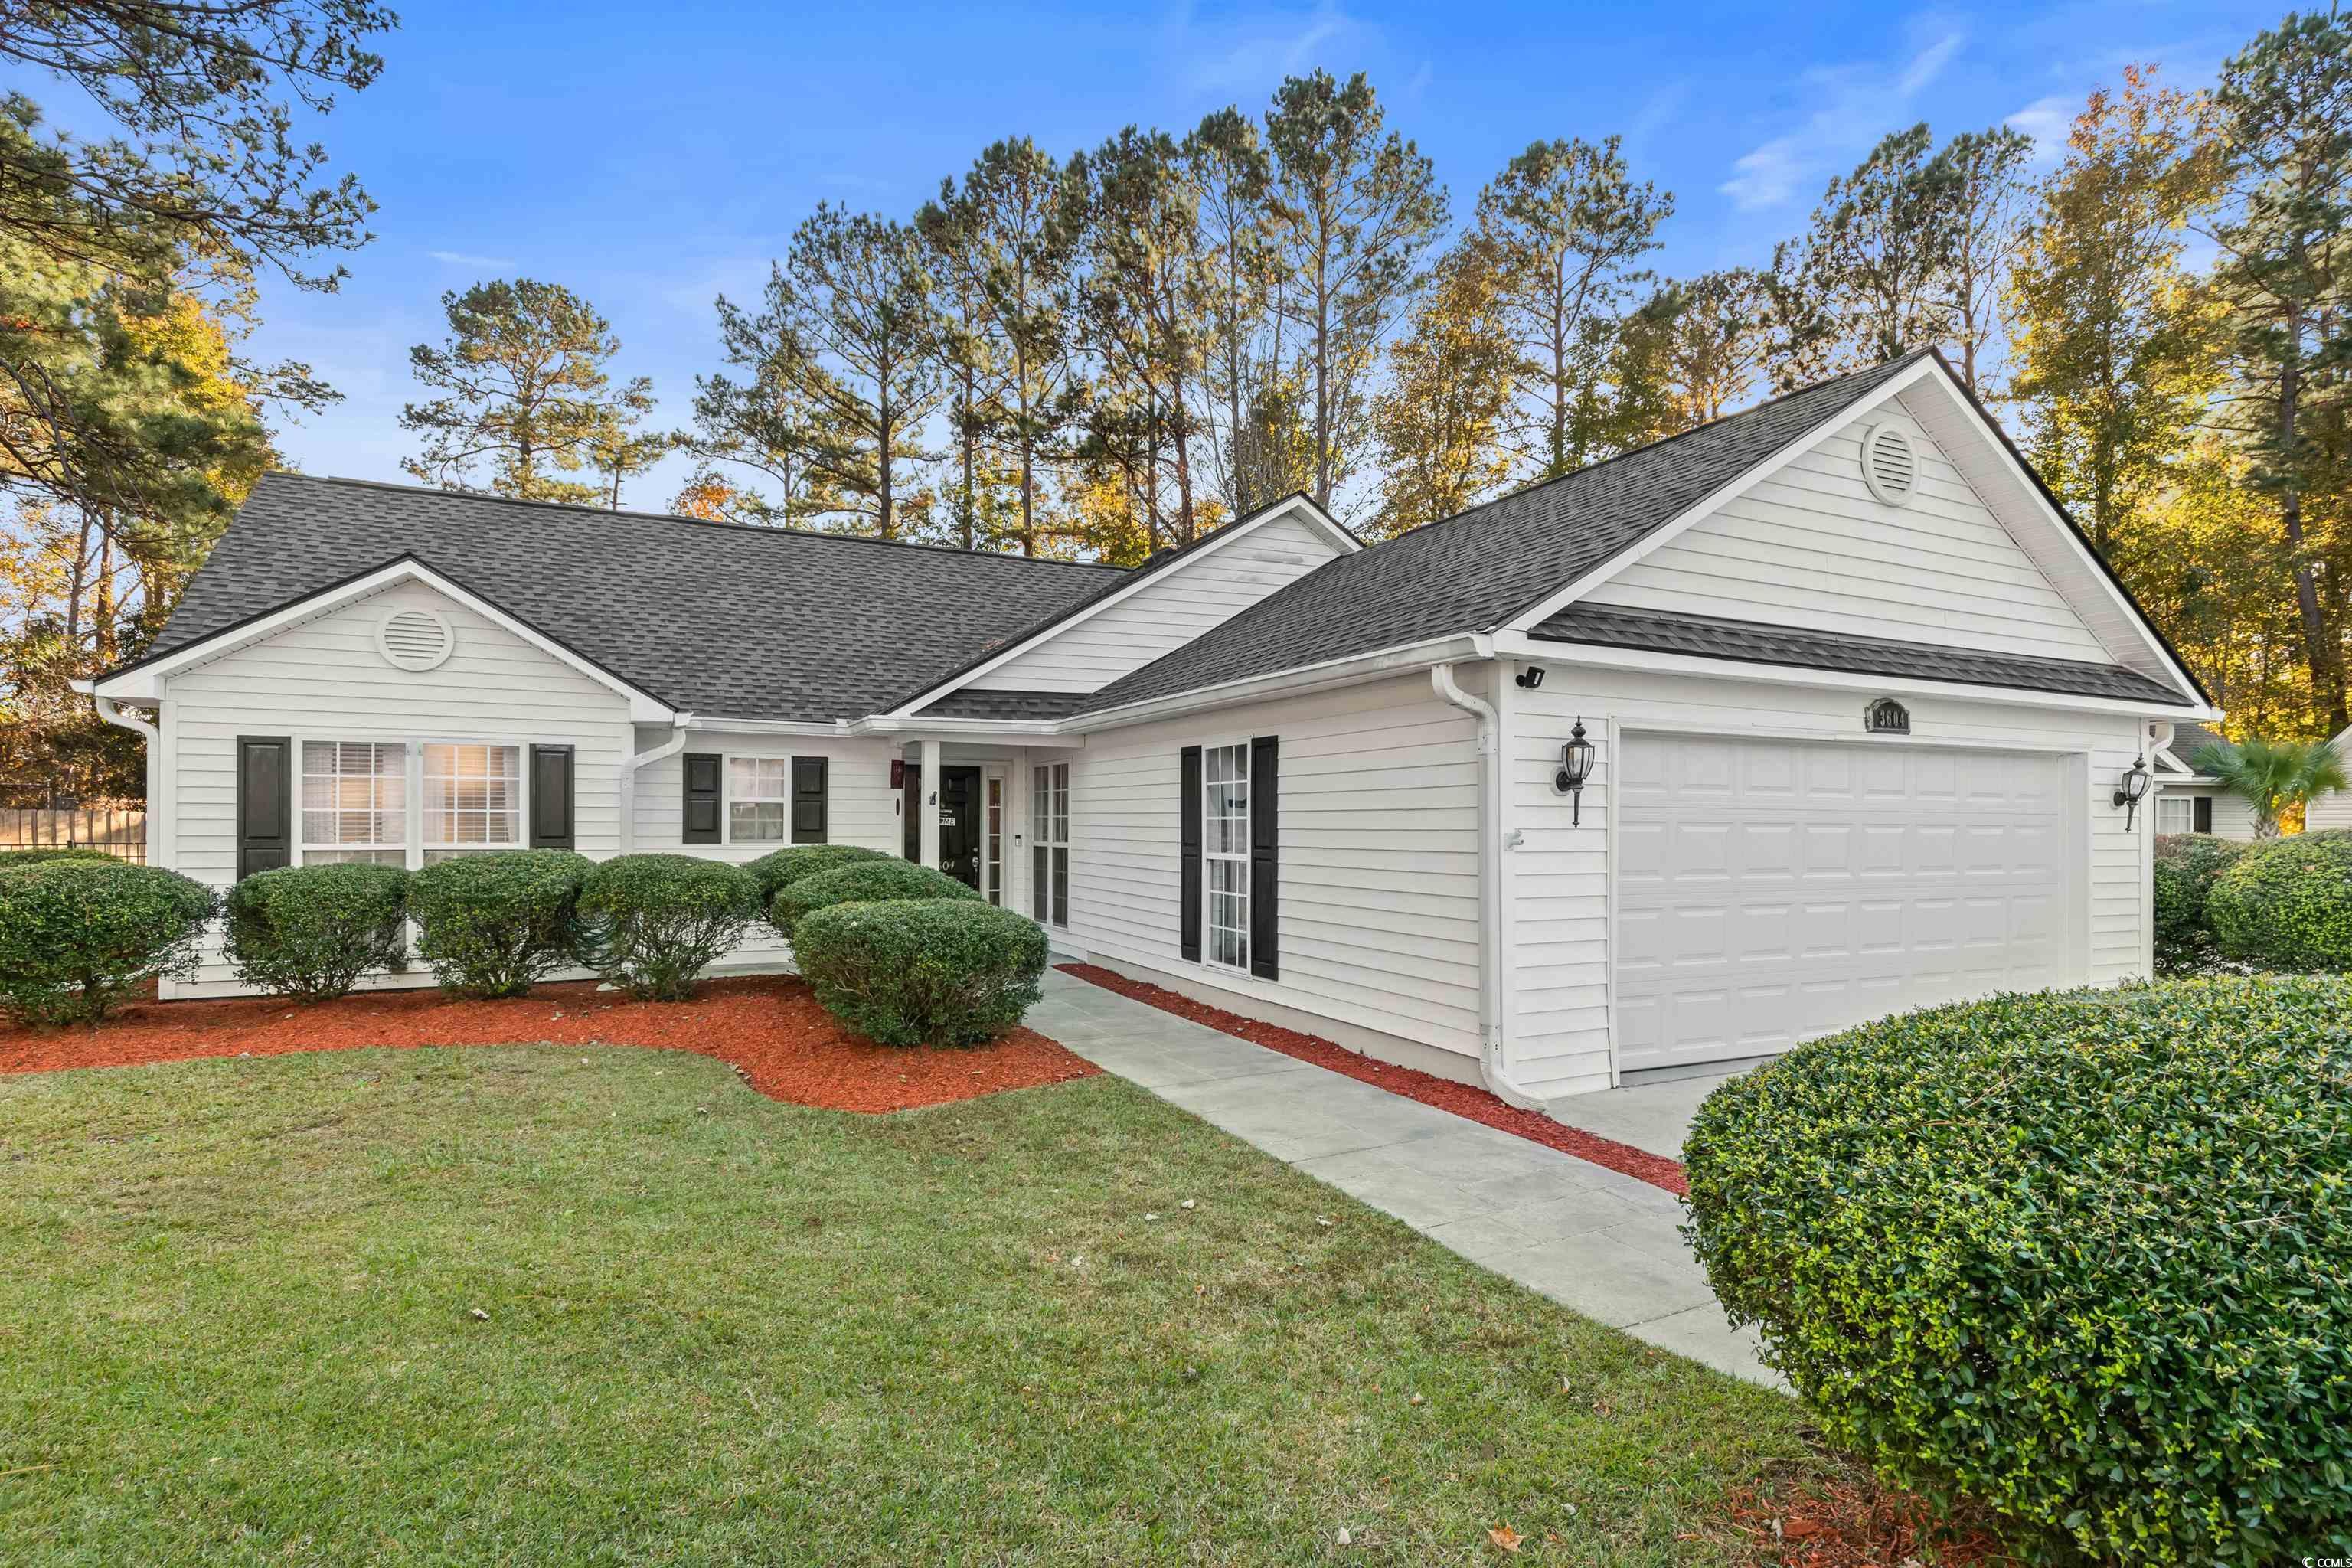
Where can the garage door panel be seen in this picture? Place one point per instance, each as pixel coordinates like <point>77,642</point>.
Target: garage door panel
<point>1769,892</point>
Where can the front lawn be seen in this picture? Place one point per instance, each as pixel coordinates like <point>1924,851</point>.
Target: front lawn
<point>575,1305</point>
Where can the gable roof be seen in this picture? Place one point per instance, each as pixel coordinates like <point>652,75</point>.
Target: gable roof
<point>1161,561</point>
<point>1755,642</point>
<point>2187,740</point>
<point>718,618</point>
<point>1481,568</point>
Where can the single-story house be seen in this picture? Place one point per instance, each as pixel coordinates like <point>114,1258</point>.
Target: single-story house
<point>1818,711</point>
<point>2189,801</point>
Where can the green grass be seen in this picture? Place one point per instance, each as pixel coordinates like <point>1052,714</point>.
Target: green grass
<point>235,1326</point>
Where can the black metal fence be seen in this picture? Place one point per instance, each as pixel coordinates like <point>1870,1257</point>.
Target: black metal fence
<point>120,831</point>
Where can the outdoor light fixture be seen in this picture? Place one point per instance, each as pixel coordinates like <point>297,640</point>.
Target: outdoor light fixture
<point>1575,767</point>
<point>1530,678</point>
<point>2132,788</point>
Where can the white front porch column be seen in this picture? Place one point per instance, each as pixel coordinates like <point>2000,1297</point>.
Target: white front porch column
<point>932,751</point>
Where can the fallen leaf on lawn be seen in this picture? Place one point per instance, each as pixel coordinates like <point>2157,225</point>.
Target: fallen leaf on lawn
<point>1149,1215</point>
<point>1326,1221</point>
<point>478,1314</point>
<point>1416,1399</point>
<point>1346,1539</point>
<point>1503,1536</point>
<point>1190,1204</point>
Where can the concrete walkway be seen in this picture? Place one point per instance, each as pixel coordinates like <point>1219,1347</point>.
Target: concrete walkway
<point>1602,1244</point>
<point>1654,1116</point>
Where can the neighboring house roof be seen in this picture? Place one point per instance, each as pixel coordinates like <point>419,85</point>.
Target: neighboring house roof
<point>718,619</point>
<point>1477,570</point>
<point>2187,740</point>
<point>1753,642</point>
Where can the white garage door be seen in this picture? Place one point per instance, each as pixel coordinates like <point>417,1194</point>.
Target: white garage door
<point>1771,891</point>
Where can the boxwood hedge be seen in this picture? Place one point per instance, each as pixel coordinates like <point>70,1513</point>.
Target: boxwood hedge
<point>922,971</point>
<point>886,878</point>
<point>310,931</point>
<point>492,923</point>
<point>2084,1256</point>
<point>2186,866</point>
<point>79,935</point>
<point>653,923</point>
<point>9,857</point>
<point>2287,904</point>
<point>780,869</point>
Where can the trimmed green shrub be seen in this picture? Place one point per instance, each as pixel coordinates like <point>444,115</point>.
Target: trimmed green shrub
<point>922,971</point>
<point>2187,865</point>
<point>492,924</point>
<point>888,878</point>
<point>9,857</point>
<point>780,869</point>
<point>79,935</point>
<point>653,923</point>
<point>310,931</point>
<point>2287,904</point>
<point>2084,1256</point>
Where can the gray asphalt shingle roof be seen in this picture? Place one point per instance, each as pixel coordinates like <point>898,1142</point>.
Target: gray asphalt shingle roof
<point>1477,571</point>
<point>751,623</point>
<point>1753,642</point>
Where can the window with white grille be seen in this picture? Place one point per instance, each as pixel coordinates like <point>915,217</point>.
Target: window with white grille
<point>1049,844</point>
<point>473,799</point>
<point>354,801</point>
<point>759,799</point>
<point>1226,853</point>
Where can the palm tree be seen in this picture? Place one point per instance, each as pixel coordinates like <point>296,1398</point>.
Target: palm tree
<point>2273,776</point>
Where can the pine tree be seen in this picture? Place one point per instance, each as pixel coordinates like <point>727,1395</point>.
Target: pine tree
<point>1440,421</point>
<point>1694,352</point>
<point>2285,277</point>
<point>762,417</point>
<point>1983,173</point>
<point>524,391</point>
<point>1354,209</point>
<point>1566,224</point>
<point>1226,165</point>
<point>1004,237</point>
<point>1869,278</point>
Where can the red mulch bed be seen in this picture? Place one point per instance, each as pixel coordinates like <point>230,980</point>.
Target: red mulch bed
<point>769,1028</point>
<point>1849,1521</point>
<point>1461,1098</point>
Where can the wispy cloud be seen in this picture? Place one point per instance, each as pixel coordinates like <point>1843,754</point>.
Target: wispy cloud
<point>1254,51</point>
<point>2047,121</point>
<point>464,259</point>
<point>1855,105</point>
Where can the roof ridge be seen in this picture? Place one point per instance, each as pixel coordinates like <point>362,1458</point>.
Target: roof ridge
<point>755,528</point>
<point>1530,488</point>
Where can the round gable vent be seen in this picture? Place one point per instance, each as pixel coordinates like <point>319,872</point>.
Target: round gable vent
<point>414,639</point>
<point>1890,464</point>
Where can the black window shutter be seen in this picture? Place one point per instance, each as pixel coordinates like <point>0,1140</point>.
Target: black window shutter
<point>1188,880</point>
<point>265,802</point>
<point>808,800</point>
<point>550,798</point>
<point>1265,850</point>
<point>701,782</point>
<point>2201,814</point>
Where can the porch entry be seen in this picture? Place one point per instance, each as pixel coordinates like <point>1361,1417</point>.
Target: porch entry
<point>971,824</point>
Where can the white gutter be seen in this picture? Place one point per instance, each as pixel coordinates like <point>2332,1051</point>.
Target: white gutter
<point>116,716</point>
<point>1491,784</point>
<point>635,760</point>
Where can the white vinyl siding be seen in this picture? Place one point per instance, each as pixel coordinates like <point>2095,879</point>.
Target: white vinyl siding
<point>325,680</point>
<point>1557,902</point>
<point>1379,840</point>
<point>1810,546</point>
<point>1185,600</point>
<point>861,808</point>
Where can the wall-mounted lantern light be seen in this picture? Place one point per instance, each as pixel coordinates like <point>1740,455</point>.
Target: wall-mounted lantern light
<point>2132,788</point>
<point>1575,767</point>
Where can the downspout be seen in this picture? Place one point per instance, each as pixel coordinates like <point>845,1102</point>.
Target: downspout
<point>629,766</point>
<point>1490,884</point>
<point>158,812</point>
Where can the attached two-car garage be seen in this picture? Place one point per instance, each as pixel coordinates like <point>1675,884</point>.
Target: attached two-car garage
<point>1770,892</point>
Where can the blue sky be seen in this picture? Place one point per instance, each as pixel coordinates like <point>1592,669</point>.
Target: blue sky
<point>650,157</point>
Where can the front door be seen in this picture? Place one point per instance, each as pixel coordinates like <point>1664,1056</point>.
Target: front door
<point>960,828</point>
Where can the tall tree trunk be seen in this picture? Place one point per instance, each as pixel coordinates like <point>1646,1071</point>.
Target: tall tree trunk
<point>882,455</point>
<point>2326,664</point>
